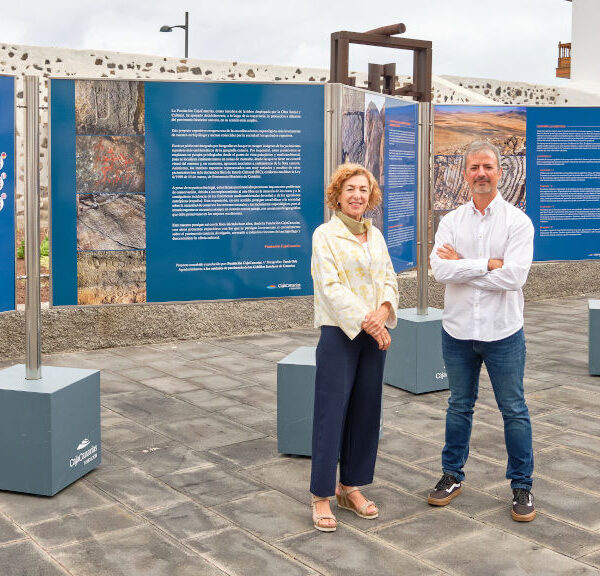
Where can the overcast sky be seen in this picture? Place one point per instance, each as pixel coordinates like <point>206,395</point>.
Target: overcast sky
<point>505,39</point>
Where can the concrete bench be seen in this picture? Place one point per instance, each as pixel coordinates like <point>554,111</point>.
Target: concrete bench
<point>594,337</point>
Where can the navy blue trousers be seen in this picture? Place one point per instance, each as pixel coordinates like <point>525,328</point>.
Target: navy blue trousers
<point>347,410</point>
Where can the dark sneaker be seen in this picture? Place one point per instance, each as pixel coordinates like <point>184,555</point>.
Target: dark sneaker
<point>447,488</point>
<point>522,506</point>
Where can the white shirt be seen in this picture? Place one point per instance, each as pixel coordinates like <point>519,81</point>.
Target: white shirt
<point>480,304</point>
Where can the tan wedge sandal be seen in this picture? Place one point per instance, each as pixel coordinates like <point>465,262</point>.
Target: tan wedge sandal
<point>344,502</point>
<point>317,518</point>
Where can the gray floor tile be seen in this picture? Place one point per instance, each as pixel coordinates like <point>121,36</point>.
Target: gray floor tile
<point>238,363</point>
<point>160,460</point>
<point>208,400</point>
<point>144,552</point>
<point>206,432</point>
<point>141,372</point>
<point>25,559</point>
<point>404,476</point>
<point>219,382</point>
<point>26,509</point>
<point>240,555</point>
<point>81,526</point>
<point>251,453</point>
<point>113,383</point>
<point>186,520</point>
<point>571,420</point>
<point>255,418</point>
<point>290,476</point>
<point>406,446</point>
<point>491,551</point>
<point>9,531</point>
<point>150,407</point>
<point>257,396</point>
<point>169,384</point>
<point>270,515</point>
<point>547,532</point>
<point>347,552</point>
<point>136,489</point>
<point>479,473</point>
<point>566,466</point>
<point>426,531</point>
<point>127,435</point>
<point>415,418</point>
<point>571,398</point>
<point>213,486</point>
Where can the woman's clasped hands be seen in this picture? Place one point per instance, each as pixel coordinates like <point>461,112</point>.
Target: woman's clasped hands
<point>374,325</point>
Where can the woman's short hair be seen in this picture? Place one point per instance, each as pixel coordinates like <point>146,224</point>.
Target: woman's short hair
<point>345,171</point>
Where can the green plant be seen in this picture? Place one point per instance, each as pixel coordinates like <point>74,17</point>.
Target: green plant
<point>44,247</point>
<point>44,250</point>
<point>21,250</point>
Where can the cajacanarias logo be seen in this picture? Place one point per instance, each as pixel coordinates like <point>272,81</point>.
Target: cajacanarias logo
<point>85,456</point>
<point>295,286</point>
<point>85,442</point>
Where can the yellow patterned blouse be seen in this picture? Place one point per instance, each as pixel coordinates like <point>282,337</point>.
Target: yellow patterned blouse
<point>348,286</point>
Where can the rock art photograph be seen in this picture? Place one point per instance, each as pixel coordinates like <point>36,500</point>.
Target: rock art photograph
<point>455,127</point>
<point>111,277</point>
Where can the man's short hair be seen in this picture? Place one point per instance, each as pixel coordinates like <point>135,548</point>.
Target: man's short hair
<point>479,146</point>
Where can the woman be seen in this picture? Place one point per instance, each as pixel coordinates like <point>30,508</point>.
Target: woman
<point>356,296</point>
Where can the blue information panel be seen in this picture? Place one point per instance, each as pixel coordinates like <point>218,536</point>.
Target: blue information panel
<point>400,183</point>
<point>7,193</point>
<point>234,189</point>
<point>563,182</point>
<point>165,192</point>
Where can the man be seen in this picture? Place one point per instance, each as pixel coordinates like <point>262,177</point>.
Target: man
<point>483,251</point>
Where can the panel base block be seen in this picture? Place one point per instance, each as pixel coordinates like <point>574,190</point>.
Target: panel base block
<point>414,360</point>
<point>49,428</point>
<point>296,401</point>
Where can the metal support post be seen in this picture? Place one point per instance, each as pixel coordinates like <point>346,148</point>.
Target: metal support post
<point>33,361</point>
<point>424,180</point>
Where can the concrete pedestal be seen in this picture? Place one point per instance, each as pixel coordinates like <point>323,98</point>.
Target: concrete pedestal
<point>414,360</point>
<point>49,428</point>
<point>296,401</point>
<point>594,337</point>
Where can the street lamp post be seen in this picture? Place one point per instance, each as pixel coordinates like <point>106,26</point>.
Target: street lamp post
<point>184,26</point>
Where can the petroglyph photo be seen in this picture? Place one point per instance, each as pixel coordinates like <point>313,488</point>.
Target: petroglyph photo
<point>111,222</point>
<point>353,126</point>
<point>110,164</point>
<point>455,128</point>
<point>109,107</point>
<point>111,277</point>
<point>374,147</point>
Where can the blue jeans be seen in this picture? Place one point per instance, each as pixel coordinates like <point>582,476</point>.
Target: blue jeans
<point>505,363</point>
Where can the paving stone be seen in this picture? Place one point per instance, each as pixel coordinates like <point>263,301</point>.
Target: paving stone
<point>24,509</point>
<point>237,363</point>
<point>206,432</point>
<point>219,382</point>
<point>415,418</point>
<point>593,559</point>
<point>213,486</point>
<point>169,384</point>
<point>240,555</point>
<point>406,446</point>
<point>113,383</point>
<point>207,400</point>
<point>251,453</point>
<point>270,515</point>
<point>81,526</point>
<point>128,435</point>
<point>257,396</point>
<point>347,552</point>
<point>255,418</point>
<point>426,531</point>
<point>137,489</point>
<point>186,520</point>
<point>150,407</point>
<point>492,551</point>
<point>290,476</point>
<point>571,398</point>
<point>160,460</point>
<point>569,467</point>
<point>142,372</point>
<point>144,552</point>
<point>571,420</point>
<point>9,531</point>
<point>579,443</point>
<point>267,378</point>
<point>409,478</point>
<point>25,559</point>
<point>548,532</point>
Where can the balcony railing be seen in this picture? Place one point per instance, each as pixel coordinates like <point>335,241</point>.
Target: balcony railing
<point>564,60</point>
